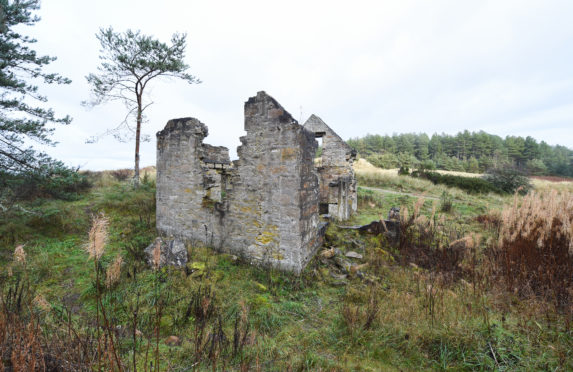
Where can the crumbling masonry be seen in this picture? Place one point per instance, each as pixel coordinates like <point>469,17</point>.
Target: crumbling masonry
<point>336,175</point>
<point>263,206</point>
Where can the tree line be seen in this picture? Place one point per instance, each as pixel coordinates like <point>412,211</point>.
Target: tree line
<point>474,152</point>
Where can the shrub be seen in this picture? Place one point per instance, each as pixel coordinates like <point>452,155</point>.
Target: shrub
<point>473,185</point>
<point>385,161</point>
<point>50,180</point>
<point>406,160</point>
<point>427,165</point>
<point>508,180</point>
<point>446,202</point>
<point>403,171</point>
<point>122,174</point>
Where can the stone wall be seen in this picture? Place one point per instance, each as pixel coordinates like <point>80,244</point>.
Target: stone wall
<point>263,206</point>
<point>189,190</point>
<point>338,195</point>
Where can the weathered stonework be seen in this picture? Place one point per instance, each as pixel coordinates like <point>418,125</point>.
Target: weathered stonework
<point>336,176</point>
<point>263,206</point>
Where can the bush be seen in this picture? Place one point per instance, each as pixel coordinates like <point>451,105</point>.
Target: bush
<point>508,180</point>
<point>52,180</point>
<point>122,174</point>
<point>427,165</point>
<point>472,185</point>
<point>446,202</point>
<point>407,161</point>
<point>384,161</point>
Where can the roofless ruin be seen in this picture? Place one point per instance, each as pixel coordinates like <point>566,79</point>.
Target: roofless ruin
<point>264,206</point>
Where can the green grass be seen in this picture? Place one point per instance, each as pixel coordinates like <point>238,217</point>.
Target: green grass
<point>296,322</point>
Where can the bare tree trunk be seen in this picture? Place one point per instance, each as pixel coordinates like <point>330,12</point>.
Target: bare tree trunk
<point>137,135</point>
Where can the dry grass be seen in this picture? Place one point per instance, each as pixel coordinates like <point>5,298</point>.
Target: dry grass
<point>552,178</point>
<point>359,318</point>
<point>98,236</point>
<point>150,171</point>
<point>547,184</point>
<point>369,175</point>
<point>25,342</point>
<point>20,255</point>
<point>20,344</point>
<point>108,178</point>
<point>113,272</point>
<point>363,166</point>
<point>460,174</point>
<point>534,250</point>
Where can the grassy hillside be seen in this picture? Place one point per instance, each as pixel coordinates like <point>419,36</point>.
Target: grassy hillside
<point>453,292</point>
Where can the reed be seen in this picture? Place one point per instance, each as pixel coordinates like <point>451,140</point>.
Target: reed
<point>533,253</point>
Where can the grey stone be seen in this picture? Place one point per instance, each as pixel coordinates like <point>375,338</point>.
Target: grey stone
<point>340,283</point>
<point>337,181</point>
<point>352,254</point>
<point>173,252</point>
<point>338,276</point>
<point>344,265</point>
<point>394,213</point>
<point>263,206</point>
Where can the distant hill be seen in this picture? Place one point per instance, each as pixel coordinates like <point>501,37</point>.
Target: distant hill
<point>466,151</point>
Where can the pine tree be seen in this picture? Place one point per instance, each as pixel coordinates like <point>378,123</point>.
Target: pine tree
<point>25,172</point>
<point>20,120</point>
<point>130,61</point>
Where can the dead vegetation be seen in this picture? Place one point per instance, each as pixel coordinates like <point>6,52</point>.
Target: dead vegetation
<point>433,243</point>
<point>25,344</point>
<point>533,253</point>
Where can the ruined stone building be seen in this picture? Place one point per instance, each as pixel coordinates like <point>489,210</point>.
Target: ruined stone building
<point>336,175</point>
<point>263,206</point>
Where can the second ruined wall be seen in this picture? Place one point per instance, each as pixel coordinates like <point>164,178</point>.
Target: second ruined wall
<point>337,180</point>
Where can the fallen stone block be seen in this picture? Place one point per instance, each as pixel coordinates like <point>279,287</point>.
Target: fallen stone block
<point>171,252</point>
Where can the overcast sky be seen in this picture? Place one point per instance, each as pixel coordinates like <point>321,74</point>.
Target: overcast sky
<point>379,67</point>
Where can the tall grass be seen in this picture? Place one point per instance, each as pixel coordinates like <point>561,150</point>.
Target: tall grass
<point>109,178</point>
<point>26,342</point>
<point>364,166</point>
<point>534,250</point>
<point>369,175</point>
<point>548,185</point>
